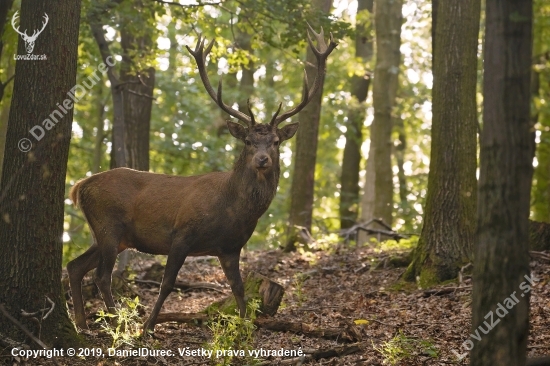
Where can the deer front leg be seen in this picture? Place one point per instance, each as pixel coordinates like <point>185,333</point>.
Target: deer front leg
<point>230,266</point>
<point>175,260</point>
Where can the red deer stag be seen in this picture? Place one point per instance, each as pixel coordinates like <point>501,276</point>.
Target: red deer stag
<point>210,214</point>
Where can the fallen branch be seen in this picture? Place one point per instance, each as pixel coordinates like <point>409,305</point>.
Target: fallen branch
<point>444,291</point>
<point>22,327</point>
<point>355,229</point>
<point>184,286</point>
<point>349,333</point>
<point>193,318</point>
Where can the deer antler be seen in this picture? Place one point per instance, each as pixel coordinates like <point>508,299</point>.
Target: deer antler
<point>321,54</point>
<point>200,57</point>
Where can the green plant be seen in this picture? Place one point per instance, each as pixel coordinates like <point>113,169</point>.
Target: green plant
<point>125,325</point>
<point>401,347</point>
<point>233,336</point>
<point>298,282</point>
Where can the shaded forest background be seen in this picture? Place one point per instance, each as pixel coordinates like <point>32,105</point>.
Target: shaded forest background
<point>188,134</point>
<point>397,136</point>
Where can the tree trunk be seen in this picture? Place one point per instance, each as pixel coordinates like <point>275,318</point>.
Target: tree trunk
<point>446,241</point>
<point>32,199</point>
<point>138,100</point>
<point>137,89</point>
<point>301,192</point>
<point>377,201</point>
<point>100,133</point>
<point>351,162</point>
<point>501,266</point>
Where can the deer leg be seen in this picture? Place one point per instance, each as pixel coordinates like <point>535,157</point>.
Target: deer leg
<point>230,266</point>
<point>77,269</point>
<point>175,260</point>
<point>103,273</point>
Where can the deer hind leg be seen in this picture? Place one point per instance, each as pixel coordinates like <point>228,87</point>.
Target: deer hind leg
<point>230,266</point>
<point>108,248</point>
<point>77,269</point>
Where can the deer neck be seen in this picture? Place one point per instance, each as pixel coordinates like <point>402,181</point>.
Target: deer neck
<point>252,191</point>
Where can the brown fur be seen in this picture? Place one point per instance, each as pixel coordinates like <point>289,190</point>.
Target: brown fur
<point>210,214</point>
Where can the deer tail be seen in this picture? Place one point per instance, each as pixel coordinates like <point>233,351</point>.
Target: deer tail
<point>73,194</point>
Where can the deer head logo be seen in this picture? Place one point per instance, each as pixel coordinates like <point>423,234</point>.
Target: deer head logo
<point>29,40</point>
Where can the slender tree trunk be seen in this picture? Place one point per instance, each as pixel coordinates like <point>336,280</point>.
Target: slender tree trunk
<point>32,197</point>
<point>399,153</point>
<point>301,193</point>
<point>138,100</point>
<point>100,134</point>
<point>501,266</point>
<point>377,201</point>
<point>247,79</point>
<point>351,162</point>
<point>447,237</point>
<point>137,88</point>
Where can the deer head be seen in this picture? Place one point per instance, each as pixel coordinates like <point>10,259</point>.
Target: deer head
<point>262,140</point>
<point>29,40</point>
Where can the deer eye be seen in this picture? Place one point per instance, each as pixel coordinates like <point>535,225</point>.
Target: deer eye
<point>276,143</point>
<point>248,143</point>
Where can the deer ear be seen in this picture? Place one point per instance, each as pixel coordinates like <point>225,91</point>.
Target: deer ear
<point>237,130</point>
<point>288,131</point>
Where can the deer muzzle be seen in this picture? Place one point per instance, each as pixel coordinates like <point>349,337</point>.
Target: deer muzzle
<point>263,162</point>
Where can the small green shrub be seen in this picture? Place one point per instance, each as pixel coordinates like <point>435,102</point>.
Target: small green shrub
<point>125,325</point>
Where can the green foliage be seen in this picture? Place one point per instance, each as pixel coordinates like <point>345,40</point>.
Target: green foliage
<point>401,348</point>
<point>231,332</point>
<point>125,325</point>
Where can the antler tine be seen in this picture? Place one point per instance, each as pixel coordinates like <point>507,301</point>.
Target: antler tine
<point>199,54</point>
<point>321,55</point>
<point>252,120</point>
<point>272,123</point>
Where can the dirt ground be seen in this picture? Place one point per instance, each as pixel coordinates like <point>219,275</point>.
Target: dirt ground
<point>354,290</point>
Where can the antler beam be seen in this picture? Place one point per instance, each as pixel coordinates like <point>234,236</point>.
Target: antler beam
<point>199,54</point>
<point>321,54</point>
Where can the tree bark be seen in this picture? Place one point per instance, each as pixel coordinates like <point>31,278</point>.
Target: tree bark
<point>301,192</point>
<point>351,162</point>
<point>32,198</point>
<point>377,201</point>
<point>447,237</point>
<point>501,266</point>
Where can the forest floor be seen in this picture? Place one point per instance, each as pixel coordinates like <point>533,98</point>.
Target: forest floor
<point>382,321</point>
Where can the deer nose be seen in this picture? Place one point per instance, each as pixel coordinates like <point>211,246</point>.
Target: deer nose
<point>263,161</point>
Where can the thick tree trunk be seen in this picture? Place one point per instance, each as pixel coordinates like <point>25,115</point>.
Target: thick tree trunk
<point>351,162</point>
<point>447,237</point>
<point>301,193</point>
<point>32,198</point>
<point>501,266</point>
<point>377,201</point>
